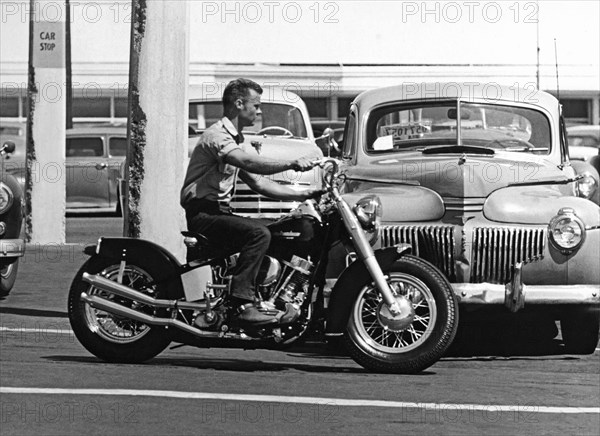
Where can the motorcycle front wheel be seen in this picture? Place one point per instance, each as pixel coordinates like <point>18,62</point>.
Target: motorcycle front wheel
<point>111,337</point>
<point>416,339</point>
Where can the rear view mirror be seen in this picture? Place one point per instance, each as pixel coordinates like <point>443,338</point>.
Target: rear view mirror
<point>464,114</point>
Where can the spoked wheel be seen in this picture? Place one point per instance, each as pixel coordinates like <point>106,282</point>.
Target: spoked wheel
<point>108,336</point>
<point>8,276</point>
<point>417,337</point>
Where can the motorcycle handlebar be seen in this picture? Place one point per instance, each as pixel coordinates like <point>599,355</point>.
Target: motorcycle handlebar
<point>331,175</point>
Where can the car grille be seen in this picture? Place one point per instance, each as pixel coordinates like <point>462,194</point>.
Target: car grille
<point>497,250</point>
<point>432,243</point>
<point>247,203</point>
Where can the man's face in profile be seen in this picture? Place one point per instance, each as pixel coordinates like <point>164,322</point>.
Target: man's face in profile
<point>249,108</point>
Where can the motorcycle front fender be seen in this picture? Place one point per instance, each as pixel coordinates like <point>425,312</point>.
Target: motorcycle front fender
<point>349,284</point>
<point>165,267</point>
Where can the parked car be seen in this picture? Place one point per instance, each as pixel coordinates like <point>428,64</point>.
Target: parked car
<point>93,157</point>
<point>584,146</point>
<point>12,245</point>
<point>283,131</point>
<point>584,141</point>
<point>93,154</point>
<point>483,188</point>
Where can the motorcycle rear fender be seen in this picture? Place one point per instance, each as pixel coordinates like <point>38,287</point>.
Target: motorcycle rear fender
<point>165,267</point>
<point>349,284</point>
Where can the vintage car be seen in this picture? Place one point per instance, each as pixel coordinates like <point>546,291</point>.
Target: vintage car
<point>283,131</point>
<point>92,157</point>
<point>584,141</point>
<point>478,180</point>
<point>12,245</point>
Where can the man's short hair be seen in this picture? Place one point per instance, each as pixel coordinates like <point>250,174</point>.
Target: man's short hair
<point>238,88</point>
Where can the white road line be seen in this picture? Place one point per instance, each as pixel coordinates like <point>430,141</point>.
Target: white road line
<point>65,331</point>
<point>301,400</point>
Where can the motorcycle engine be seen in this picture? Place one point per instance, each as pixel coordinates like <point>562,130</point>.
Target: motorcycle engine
<point>276,284</point>
<point>287,284</point>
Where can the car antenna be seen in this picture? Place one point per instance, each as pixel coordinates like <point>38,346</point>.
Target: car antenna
<point>556,63</point>
<point>563,138</point>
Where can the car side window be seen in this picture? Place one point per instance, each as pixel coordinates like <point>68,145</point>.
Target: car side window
<point>117,146</point>
<point>350,136</point>
<point>85,147</point>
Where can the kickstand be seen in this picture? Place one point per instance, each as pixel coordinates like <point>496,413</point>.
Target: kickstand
<point>174,347</point>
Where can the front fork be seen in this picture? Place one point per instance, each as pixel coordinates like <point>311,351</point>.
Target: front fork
<point>366,254</point>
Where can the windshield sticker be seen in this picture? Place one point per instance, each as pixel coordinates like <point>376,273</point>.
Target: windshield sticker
<point>401,132</point>
<point>384,143</point>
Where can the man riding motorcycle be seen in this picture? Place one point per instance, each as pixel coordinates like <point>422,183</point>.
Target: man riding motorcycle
<point>209,183</point>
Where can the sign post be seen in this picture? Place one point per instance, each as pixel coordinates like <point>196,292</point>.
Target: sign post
<point>46,172</point>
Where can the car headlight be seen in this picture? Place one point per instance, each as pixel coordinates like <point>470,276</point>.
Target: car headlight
<point>6,198</point>
<point>567,231</point>
<point>368,210</point>
<point>586,185</point>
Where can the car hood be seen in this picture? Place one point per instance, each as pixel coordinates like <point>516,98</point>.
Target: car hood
<point>280,148</point>
<point>459,175</point>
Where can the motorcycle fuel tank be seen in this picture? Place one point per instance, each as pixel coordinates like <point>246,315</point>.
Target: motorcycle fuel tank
<point>300,235</point>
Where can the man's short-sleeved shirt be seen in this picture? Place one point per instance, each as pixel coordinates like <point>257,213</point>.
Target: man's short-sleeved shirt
<point>208,176</point>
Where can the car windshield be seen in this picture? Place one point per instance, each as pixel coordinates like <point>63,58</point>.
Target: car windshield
<point>277,119</point>
<point>583,141</point>
<point>420,126</point>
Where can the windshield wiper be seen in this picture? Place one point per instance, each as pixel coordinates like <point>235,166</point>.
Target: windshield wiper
<point>458,149</point>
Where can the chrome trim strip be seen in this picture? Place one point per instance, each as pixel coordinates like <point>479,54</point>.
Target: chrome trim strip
<point>490,293</point>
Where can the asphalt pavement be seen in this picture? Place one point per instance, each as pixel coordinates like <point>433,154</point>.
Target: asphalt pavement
<point>49,384</point>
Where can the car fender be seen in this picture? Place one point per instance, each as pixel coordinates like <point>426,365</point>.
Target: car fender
<point>586,168</point>
<point>165,267</point>
<point>349,284</point>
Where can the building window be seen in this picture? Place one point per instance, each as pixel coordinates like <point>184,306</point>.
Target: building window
<point>576,109</point>
<point>317,107</point>
<point>9,107</point>
<point>91,107</point>
<point>344,106</point>
<point>120,107</point>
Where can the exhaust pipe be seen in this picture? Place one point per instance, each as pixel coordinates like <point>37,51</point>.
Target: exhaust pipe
<point>100,303</point>
<point>113,287</point>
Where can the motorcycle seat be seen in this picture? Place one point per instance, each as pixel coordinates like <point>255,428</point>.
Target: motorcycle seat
<point>194,239</point>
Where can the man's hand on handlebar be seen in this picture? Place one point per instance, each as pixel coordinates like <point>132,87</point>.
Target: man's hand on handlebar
<point>305,163</point>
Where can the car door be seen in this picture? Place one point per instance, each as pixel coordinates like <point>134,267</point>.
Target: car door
<point>87,172</point>
<point>117,151</point>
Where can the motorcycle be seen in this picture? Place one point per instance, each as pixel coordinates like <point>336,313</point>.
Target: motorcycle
<point>396,313</point>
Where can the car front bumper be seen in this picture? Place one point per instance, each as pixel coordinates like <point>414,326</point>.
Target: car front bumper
<point>12,247</point>
<point>515,295</point>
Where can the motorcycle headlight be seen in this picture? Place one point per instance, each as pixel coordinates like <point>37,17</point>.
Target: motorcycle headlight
<point>586,186</point>
<point>6,198</point>
<point>567,231</point>
<point>368,210</point>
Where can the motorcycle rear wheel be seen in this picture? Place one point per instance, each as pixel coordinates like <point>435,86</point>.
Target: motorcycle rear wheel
<point>413,347</point>
<point>111,337</point>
